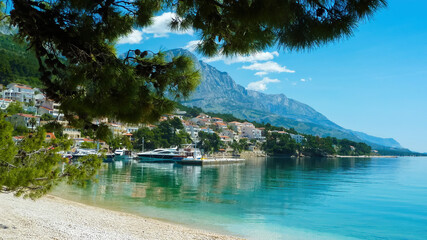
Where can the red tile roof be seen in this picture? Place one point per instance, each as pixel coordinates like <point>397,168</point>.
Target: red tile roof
<point>26,115</point>
<point>50,109</point>
<point>5,99</point>
<point>50,135</point>
<point>24,87</point>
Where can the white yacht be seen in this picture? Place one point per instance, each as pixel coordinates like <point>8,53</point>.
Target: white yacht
<point>159,155</point>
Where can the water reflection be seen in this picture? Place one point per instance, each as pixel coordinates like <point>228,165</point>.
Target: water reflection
<point>152,183</point>
<point>337,196</point>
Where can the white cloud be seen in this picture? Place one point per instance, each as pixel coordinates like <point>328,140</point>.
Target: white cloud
<point>303,80</point>
<point>258,56</point>
<point>159,28</point>
<point>261,85</point>
<point>133,38</point>
<point>192,45</point>
<point>269,66</point>
<point>260,73</point>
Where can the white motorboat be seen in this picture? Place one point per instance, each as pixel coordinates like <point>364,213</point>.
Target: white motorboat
<point>83,152</point>
<point>159,155</point>
<point>122,154</point>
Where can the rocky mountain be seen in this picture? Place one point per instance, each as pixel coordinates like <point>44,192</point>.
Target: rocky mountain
<point>218,92</point>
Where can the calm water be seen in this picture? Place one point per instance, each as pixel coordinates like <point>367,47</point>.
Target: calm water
<point>275,198</point>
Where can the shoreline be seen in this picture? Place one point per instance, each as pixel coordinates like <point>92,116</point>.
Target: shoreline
<point>363,156</point>
<point>52,217</point>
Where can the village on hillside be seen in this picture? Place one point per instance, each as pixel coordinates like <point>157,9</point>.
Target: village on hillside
<point>27,109</point>
<point>37,110</point>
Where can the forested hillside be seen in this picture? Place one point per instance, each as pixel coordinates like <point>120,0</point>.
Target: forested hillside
<point>17,64</point>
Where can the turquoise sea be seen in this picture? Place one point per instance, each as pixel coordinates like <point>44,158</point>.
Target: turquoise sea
<point>274,198</point>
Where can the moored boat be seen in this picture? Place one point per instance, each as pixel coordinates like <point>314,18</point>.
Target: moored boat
<point>108,157</point>
<point>188,154</point>
<point>122,155</point>
<point>159,155</point>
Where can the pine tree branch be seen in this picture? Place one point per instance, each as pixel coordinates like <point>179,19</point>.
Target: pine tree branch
<point>7,164</point>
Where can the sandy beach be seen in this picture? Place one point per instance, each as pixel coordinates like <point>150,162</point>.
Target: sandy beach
<point>55,218</point>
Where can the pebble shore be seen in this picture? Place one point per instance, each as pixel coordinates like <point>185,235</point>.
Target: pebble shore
<point>55,218</point>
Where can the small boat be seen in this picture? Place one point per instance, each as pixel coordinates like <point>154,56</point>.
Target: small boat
<point>159,155</point>
<point>188,154</point>
<point>83,152</point>
<point>122,155</point>
<point>109,157</point>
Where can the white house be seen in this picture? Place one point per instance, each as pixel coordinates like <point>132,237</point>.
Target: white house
<point>249,131</point>
<point>54,106</point>
<point>226,139</point>
<point>236,126</point>
<point>231,134</point>
<point>22,119</point>
<point>44,110</point>
<point>19,92</point>
<point>298,138</point>
<point>193,131</point>
<point>72,133</point>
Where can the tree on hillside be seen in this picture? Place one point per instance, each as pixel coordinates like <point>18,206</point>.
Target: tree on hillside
<point>14,108</point>
<point>54,127</point>
<point>209,142</point>
<point>32,122</point>
<point>46,117</point>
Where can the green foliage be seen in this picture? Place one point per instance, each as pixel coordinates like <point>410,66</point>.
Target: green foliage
<point>317,146</point>
<point>280,144</point>
<point>314,146</point>
<point>233,27</point>
<point>103,133</point>
<point>239,146</point>
<point>168,133</point>
<point>209,142</point>
<point>33,167</point>
<point>54,127</point>
<point>191,112</point>
<point>32,122</point>
<point>195,111</point>
<point>116,142</point>
<point>20,130</point>
<point>46,117</point>
<point>17,64</point>
<point>14,108</point>
<point>88,145</point>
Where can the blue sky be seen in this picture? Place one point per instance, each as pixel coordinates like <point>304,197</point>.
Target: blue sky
<point>374,81</point>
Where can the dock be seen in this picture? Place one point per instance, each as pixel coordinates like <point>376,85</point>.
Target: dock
<point>211,161</point>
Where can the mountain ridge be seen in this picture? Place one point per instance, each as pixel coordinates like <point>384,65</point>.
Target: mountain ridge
<point>218,92</point>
